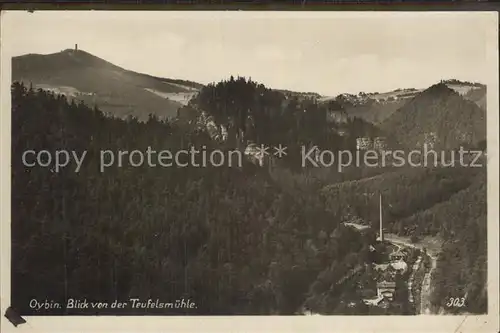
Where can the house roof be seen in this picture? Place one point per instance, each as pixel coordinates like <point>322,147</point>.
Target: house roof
<point>381,266</point>
<point>399,265</point>
<point>397,253</point>
<point>386,284</point>
<point>373,301</point>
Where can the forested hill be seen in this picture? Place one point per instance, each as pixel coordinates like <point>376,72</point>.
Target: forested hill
<point>229,239</point>
<point>462,265</point>
<point>251,112</point>
<point>118,92</point>
<point>70,59</point>
<point>234,240</point>
<point>445,119</point>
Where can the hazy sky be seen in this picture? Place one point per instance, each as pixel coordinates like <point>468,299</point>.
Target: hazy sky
<point>323,52</point>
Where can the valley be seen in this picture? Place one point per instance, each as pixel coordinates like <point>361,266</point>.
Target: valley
<point>267,237</point>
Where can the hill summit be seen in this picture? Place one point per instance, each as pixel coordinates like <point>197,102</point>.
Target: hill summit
<point>117,91</point>
<point>438,116</point>
<point>69,58</point>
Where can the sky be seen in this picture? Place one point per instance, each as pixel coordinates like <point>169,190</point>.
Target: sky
<point>324,52</point>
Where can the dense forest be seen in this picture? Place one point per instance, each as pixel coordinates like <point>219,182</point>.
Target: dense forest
<point>232,240</point>
<point>253,113</point>
<point>244,240</point>
<point>445,120</point>
<point>447,203</point>
<point>462,264</point>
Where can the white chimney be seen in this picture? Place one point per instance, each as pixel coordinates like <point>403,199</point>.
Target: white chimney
<point>380,218</point>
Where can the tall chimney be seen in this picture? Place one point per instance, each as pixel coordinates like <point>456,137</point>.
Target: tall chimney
<point>76,47</point>
<point>380,217</point>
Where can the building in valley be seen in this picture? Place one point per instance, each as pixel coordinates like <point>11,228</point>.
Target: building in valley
<point>364,143</point>
<point>379,143</point>
<point>386,289</point>
<point>397,255</point>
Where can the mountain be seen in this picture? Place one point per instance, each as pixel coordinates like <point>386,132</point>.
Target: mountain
<point>375,107</point>
<point>118,92</point>
<point>478,96</point>
<point>437,116</point>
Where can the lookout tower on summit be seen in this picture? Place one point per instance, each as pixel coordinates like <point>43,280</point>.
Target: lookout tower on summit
<point>76,47</point>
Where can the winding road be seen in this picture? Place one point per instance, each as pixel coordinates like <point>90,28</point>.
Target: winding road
<point>425,292</point>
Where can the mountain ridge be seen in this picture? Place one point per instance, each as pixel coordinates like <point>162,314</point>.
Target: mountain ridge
<point>120,92</point>
<point>438,116</point>
<point>116,91</point>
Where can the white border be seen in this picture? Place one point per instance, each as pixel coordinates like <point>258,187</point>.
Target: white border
<point>275,324</point>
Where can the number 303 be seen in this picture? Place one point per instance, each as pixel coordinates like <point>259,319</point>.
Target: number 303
<point>456,302</point>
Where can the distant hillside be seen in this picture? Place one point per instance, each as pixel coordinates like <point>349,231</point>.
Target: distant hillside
<point>375,112</point>
<point>438,116</point>
<point>478,96</point>
<point>373,107</point>
<point>465,85</point>
<point>117,91</point>
<point>360,197</point>
<point>461,267</point>
<point>299,95</point>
